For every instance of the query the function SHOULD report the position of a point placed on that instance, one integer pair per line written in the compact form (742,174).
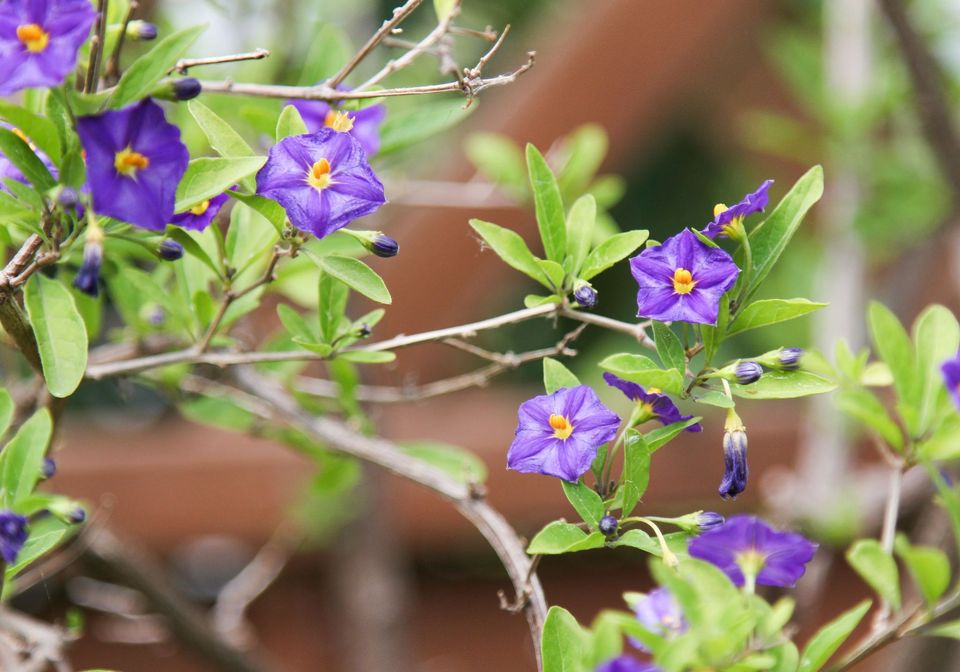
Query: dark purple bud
(77,516)
(68,198)
(608,525)
(187,88)
(170,250)
(748,372)
(364,331)
(141,30)
(708,520)
(735,469)
(13,535)
(49,468)
(88,277)
(585,294)
(384,246)
(790,358)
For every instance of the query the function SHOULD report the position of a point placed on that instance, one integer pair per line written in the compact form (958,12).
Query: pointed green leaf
(21,461)
(585,501)
(209,176)
(895,349)
(509,246)
(290,123)
(563,643)
(636,469)
(458,462)
(556,375)
(771,311)
(41,131)
(60,332)
(865,407)
(20,155)
(669,348)
(356,275)
(830,637)
(936,335)
(784,385)
(548,205)
(580,225)
(143,74)
(562,537)
(610,251)
(877,568)
(928,566)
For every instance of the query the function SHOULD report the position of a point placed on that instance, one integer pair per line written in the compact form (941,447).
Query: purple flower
(951,378)
(727,221)
(134,163)
(735,469)
(13,535)
(200,215)
(363,124)
(39,40)
(659,612)
(682,280)
(750,551)
(559,433)
(627,664)
(322,179)
(655,403)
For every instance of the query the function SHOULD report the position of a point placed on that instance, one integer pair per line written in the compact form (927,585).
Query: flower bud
(185,88)
(49,468)
(364,331)
(377,242)
(170,250)
(585,294)
(748,372)
(68,198)
(735,469)
(67,510)
(141,30)
(789,359)
(608,525)
(87,279)
(709,520)
(77,516)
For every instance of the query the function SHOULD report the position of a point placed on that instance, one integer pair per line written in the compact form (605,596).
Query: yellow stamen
(562,428)
(338,121)
(683,282)
(719,209)
(318,176)
(200,208)
(654,390)
(33,37)
(20,134)
(128,162)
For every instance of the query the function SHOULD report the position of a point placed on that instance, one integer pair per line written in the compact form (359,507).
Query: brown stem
(96,47)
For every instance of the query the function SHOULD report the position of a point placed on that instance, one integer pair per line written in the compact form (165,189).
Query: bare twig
(96,47)
(399,14)
(185,64)
(112,71)
(890,516)
(637,331)
(39,643)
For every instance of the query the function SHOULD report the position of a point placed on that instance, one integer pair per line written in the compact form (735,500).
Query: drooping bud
(709,520)
(697,522)
(585,294)
(735,470)
(87,279)
(185,88)
(377,242)
(608,526)
(77,516)
(141,30)
(170,250)
(49,468)
(790,358)
(748,372)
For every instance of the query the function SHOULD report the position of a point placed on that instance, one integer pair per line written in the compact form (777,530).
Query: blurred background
(660,109)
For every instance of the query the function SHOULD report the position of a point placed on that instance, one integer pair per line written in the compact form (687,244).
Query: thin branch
(185,64)
(637,331)
(112,71)
(399,14)
(97,43)
(890,515)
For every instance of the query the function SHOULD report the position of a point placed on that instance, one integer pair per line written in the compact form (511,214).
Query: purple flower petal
(751,203)
(951,378)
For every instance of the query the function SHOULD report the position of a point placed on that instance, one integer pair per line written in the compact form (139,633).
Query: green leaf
(580,225)
(928,566)
(332,306)
(423,121)
(895,349)
(877,568)
(367,356)
(585,500)
(21,461)
(209,176)
(443,8)
(669,347)
(643,370)
(222,138)
(290,123)
(713,398)
(41,131)
(584,148)
(45,535)
(830,637)
(7,408)
(144,73)
(356,275)
(639,540)
(60,332)
(944,443)
(329,50)
(612,250)
(771,311)
(272,211)
(556,375)
(562,537)
(21,156)
(784,385)
(563,643)
(936,335)
(296,325)
(636,469)
(949,629)
(498,159)
(548,205)
(659,437)
(770,238)
(509,246)
(457,462)
(865,407)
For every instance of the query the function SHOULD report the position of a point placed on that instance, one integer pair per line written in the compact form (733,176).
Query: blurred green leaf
(329,50)
(290,123)
(209,176)
(41,131)
(21,461)
(498,159)
(895,349)
(865,407)
(936,336)
(425,120)
(459,463)
(784,385)
(877,568)
(580,224)
(771,311)
(563,642)
(830,637)
(928,566)
(143,74)
(20,155)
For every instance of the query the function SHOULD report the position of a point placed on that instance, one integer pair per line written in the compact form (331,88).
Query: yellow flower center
(654,390)
(338,121)
(200,208)
(562,428)
(33,37)
(751,561)
(719,209)
(683,282)
(318,176)
(128,162)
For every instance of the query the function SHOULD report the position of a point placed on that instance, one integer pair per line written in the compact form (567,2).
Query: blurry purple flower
(13,535)
(323,181)
(727,221)
(627,664)
(559,433)
(735,469)
(363,124)
(199,216)
(682,280)
(49,468)
(747,549)
(39,40)
(654,402)
(659,612)
(170,250)
(951,378)
(134,163)
(87,279)
(708,520)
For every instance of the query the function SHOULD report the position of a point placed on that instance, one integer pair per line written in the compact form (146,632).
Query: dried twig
(97,43)
(185,64)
